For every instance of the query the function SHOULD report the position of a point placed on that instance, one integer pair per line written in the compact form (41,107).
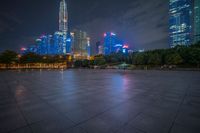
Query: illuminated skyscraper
(112,44)
(196,20)
(80,44)
(63,24)
(63,17)
(181,22)
(99,48)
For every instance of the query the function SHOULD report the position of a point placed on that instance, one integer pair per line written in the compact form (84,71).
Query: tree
(32,58)
(8,57)
(174,59)
(154,59)
(78,63)
(85,63)
(194,56)
(100,61)
(140,59)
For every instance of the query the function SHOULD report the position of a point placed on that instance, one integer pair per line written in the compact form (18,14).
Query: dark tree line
(182,56)
(11,57)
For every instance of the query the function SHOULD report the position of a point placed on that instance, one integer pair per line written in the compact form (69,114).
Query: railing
(34,66)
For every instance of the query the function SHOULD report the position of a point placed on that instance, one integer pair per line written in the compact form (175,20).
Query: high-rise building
(63,17)
(80,44)
(88,47)
(125,49)
(44,45)
(60,43)
(181,22)
(111,43)
(51,44)
(98,44)
(63,25)
(196,21)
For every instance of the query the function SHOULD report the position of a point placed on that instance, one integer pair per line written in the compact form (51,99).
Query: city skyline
(110,23)
(63,41)
(100,66)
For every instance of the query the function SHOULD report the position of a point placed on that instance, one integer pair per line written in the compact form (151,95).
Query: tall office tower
(63,17)
(111,43)
(63,24)
(60,43)
(97,49)
(44,45)
(39,46)
(180,22)
(80,44)
(196,21)
(88,47)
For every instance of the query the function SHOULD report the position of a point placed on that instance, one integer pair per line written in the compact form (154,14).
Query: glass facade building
(63,17)
(99,48)
(80,44)
(181,22)
(112,44)
(50,44)
(196,20)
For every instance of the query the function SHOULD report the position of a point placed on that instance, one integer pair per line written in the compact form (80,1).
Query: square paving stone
(22,130)
(52,125)
(11,119)
(151,124)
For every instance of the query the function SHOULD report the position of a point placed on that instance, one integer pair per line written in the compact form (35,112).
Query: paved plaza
(99,101)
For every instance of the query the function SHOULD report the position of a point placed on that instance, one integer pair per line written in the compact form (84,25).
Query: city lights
(69,40)
(60,43)
(126,46)
(23,49)
(113,34)
(113,44)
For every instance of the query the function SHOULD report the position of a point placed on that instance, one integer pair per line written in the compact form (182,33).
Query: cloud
(16,42)
(142,24)
(8,22)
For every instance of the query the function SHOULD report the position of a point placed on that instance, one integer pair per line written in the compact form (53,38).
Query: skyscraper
(80,44)
(112,44)
(98,48)
(63,17)
(63,24)
(181,22)
(196,20)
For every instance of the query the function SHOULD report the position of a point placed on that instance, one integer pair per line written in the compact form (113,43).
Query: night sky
(143,24)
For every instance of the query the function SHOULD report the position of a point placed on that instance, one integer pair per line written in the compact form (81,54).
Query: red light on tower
(126,46)
(23,49)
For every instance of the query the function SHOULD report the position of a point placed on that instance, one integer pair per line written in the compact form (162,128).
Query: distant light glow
(141,50)
(23,49)
(88,41)
(69,40)
(104,34)
(113,34)
(126,46)
(38,40)
(124,50)
(118,45)
(43,35)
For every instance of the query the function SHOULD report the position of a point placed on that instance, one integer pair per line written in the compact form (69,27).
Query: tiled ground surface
(103,101)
